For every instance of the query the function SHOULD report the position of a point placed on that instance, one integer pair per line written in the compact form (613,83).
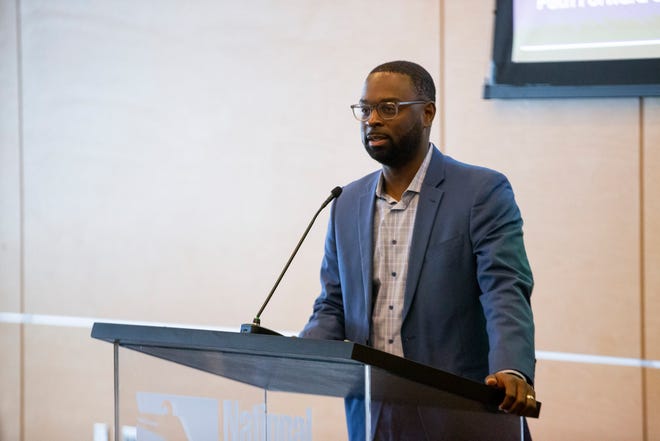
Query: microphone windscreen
(336,191)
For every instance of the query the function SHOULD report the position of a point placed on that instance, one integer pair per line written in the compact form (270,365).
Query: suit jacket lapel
(427,208)
(365,219)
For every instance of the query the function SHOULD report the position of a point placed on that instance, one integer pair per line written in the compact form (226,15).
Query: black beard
(398,154)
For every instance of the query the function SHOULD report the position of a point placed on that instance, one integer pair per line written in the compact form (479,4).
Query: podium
(198,385)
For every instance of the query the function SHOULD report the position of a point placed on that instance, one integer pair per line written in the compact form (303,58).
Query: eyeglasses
(386,109)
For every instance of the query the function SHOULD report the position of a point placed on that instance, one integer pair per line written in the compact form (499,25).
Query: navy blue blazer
(467,299)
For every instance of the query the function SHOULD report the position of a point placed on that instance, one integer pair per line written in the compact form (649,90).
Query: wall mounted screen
(569,48)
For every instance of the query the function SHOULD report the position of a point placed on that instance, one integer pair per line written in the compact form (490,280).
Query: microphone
(255,327)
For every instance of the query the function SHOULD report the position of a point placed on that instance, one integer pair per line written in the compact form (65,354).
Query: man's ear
(429,114)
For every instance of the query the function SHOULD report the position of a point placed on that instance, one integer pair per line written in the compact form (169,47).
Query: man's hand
(519,397)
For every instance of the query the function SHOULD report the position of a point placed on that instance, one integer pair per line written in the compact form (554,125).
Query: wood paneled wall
(159,160)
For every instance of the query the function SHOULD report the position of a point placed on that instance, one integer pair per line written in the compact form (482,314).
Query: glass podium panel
(158,400)
(402,408)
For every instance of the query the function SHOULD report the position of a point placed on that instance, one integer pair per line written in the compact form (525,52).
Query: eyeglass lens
(386,110)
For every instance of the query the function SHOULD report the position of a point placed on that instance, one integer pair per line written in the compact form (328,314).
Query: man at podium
(425,259)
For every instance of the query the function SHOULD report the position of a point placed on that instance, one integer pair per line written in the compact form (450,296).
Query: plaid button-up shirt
(393,230)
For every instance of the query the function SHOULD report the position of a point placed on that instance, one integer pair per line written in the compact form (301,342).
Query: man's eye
(387,109)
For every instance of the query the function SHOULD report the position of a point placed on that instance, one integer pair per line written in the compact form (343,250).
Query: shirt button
(391,307)
(393,274)
(393,241)
(391,341)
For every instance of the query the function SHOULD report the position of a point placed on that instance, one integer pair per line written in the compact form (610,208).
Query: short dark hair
(421,79)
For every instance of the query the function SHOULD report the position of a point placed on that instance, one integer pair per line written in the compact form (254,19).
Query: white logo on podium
(177,418)
(165,417)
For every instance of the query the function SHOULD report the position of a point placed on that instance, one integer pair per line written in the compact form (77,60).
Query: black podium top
(319,367)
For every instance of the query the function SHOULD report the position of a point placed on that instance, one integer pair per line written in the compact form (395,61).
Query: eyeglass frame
(375,106)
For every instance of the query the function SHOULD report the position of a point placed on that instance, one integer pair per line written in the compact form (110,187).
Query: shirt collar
(415,185)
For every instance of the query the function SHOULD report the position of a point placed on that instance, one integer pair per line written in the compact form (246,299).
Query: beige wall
(159,160)
(651,251)
(10,227)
